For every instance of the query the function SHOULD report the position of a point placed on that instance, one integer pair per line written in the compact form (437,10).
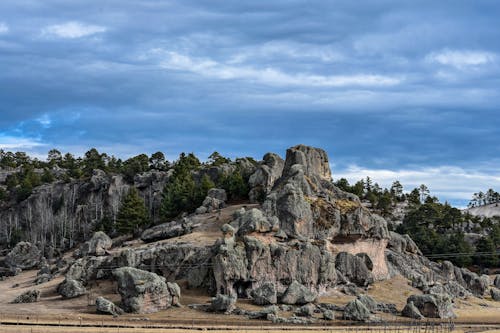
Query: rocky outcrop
(354,269)
(305,221)
(216,199)
(23,256)
(357,311)
(298,294)
(223,303)
(58,216)
(105,306)
(433,306)
(144,292)
(70,288)
(30,296)
(167,230)
(265,294)
(262,180)
(98,245)
(495,294)
(496,282)
(411,311)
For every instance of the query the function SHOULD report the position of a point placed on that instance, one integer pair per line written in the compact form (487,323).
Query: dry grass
(346,206)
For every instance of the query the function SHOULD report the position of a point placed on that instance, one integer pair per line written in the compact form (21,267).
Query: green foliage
(135,165)
(435,228)
(47,176)
(157,161)
(235,185)
(216,159)
(487,254)
(205,184)
(132,214)
(181,193)
(93,160)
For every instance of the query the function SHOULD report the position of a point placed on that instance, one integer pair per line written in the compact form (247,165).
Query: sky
(404,90)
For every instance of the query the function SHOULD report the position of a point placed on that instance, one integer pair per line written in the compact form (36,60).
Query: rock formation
(23,256)
(29,296)
(145,292)
(305,221)
(105,306)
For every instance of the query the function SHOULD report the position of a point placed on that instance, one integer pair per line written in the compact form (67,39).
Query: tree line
(484,198)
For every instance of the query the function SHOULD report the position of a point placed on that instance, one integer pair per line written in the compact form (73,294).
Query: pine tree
(132,214)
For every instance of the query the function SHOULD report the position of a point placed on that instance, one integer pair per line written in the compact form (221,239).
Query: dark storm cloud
(393,85)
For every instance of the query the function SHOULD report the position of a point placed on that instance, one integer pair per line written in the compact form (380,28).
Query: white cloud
(213,69)
(461,58)
(445,182)
(4,28)
(72,30)
(18,143)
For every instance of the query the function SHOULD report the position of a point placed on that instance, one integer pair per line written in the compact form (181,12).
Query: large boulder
(298,294)
(98,245)
(223,303)
(254,220)
(23,256)
(496,282)
(433,306)
(475,283)
(142,291)
(354,269)
(411,311)
(495,294)
(356,310)
(70,288)
(369,302)
(216,199)
(167,230)
(30,296)
(265,294)
(105,306)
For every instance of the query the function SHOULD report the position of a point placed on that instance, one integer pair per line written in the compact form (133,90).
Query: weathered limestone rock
(216,199)
(451,288)
(354,269)
(298,294)
(368,302)
(402,243)
(105,306)
(265,294)
(223,303)
(411,311)
(433,306)
(142,291)
(496,282)
(254,220)
(30,296)
(23,256)
(262,180)
(355,310)
(74,207)
(475,283)
(328,315)
(70,288)
(495,294)
(264,313)
(43,278)
(98,245)
(305,310)
(167,230)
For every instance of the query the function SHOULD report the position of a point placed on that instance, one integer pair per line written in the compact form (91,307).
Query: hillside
(278,241)
(491,210)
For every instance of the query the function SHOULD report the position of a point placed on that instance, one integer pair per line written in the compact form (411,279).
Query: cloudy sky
(403,90)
